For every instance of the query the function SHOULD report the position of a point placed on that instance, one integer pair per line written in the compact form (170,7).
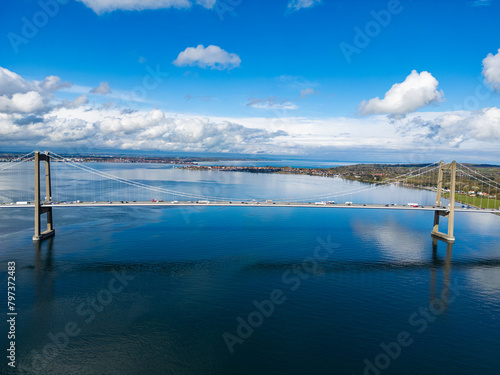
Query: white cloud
(271,103)
(456,129)
(306,92)
(102,89)
(20,95)
(104,6)
(12,83)
(491,69)
(483,125)
(78,102)
(435,135)
(31,115)
(415,92)
(212,57)
(28,102)
(295,5)
(145,130)
(51,84)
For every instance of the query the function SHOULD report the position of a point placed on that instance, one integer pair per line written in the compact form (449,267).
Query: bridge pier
(39,210)
(450,213)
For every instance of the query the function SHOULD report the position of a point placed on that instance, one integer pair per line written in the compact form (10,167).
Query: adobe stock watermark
(223,6)
(31,26)
(420,321)
(372,29)
(291,278)
(149,82)
(482,92)
(210,191)
(87,310)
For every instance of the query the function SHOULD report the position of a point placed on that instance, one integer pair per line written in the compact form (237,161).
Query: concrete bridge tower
(39,210)
(450,213)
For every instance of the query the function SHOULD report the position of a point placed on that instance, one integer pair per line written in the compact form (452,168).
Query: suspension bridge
(456,187)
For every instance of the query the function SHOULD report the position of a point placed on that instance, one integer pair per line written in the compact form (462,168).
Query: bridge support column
(450,213)
(39,209)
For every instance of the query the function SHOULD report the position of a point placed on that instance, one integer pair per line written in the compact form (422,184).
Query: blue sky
(277,79)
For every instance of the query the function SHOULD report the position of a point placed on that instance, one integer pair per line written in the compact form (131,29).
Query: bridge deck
(245,204)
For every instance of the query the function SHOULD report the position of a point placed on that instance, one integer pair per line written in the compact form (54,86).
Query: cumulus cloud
(271,103)
(20,95)
(415,92)
(12,83)
(31,115)
(306,92)
(482,125)
(28,102)
(143,130)
(102,89)
(104,6)
(491,69)
(78,102)
(156,130)
(456,128)
(51,84)
(212,57)
(112,127)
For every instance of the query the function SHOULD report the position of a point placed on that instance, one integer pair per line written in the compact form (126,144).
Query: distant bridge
(436,172)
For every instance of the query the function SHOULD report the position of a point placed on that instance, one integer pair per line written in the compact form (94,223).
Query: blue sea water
(319,291)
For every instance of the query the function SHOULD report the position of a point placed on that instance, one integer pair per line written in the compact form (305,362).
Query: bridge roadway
(458,208)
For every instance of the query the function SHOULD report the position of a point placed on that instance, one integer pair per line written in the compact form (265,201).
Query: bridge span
(249,204)
(440,177)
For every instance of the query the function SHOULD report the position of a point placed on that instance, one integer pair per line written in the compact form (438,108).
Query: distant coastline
(370,173)
(378,173)
(7,157)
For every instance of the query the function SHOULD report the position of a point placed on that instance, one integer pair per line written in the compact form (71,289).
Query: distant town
(7,157)
(371,173)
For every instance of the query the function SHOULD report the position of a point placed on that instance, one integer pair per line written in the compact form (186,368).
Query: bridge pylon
(39,209)
(450,213)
